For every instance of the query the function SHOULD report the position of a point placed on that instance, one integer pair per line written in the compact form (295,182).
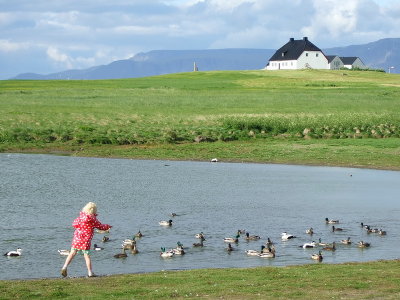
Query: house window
(291,63)
(316,55)
(306,54)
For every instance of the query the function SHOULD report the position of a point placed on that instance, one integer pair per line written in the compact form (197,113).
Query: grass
(304,117)
(371,280)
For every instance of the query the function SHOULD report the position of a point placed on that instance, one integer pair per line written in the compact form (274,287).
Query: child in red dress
(81,242)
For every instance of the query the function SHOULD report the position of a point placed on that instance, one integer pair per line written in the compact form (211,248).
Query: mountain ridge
(380,54)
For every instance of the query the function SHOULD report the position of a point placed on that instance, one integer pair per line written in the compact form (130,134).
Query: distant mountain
(381,54)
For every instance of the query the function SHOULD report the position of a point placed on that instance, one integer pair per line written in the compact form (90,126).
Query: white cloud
(7,46)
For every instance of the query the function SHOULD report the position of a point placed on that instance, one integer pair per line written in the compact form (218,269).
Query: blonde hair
(90,208)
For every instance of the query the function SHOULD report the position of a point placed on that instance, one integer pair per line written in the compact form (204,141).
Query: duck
(97,248)
(310,231)
(179,249)
(363,244)
(251,237)
(166,254)
(214,160)
(252,252)
(320,243)
(102,231)
(364,226)
(138,234)
(381,232)
(286,236)
(230,248)
(199,244)
(105,239)
(232,240)
(346,242)
(64,252)
(129,241)
(241,231)
(330,248)
(121,255)
(336,229)
(327,221)
(165,223)
(309,245)
(199,235)
(18,252)
(173,214)
(317,256)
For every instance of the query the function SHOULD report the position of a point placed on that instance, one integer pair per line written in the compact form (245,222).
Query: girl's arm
(98,225)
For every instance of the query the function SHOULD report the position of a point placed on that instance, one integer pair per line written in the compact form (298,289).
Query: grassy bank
(323,114)
(374,280)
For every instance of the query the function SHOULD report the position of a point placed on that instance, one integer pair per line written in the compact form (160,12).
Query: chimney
(291,39)
(305,39)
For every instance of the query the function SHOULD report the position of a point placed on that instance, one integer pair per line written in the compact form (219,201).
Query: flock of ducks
(267,249)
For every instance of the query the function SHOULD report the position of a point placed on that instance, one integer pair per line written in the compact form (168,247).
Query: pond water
(40,195)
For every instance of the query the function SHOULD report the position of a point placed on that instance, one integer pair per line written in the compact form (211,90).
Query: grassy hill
(308,117)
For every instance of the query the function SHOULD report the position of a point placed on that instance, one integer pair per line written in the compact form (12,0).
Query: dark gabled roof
(293,49)
(348,60)
(330,58)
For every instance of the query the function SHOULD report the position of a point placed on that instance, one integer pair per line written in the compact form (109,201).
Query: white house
(302,54)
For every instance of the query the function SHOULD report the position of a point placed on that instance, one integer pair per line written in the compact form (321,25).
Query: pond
(41,195)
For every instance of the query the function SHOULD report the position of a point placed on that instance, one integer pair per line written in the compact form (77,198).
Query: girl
(84,226)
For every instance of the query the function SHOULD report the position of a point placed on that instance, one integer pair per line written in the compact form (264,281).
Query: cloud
(73,33)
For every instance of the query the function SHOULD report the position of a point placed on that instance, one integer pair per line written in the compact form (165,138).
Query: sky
(47,36)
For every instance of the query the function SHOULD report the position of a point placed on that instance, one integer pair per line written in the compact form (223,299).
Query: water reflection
(42,194)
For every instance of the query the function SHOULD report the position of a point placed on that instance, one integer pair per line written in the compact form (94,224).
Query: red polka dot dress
(84,229)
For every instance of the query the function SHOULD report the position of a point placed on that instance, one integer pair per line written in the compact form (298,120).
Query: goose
(134,250)
(232,240)
(267,252)
(309,245)
(138,234)
(317,256)
(346,242)
(330,248)
(199,244)
(269,243)
(327,221)
(230,248)
(64,252)
(166,254)
(320,243)
(165,223)
(363,244)
(310,231)
(199,235)
(251,237)
(97,248)
(121,255)
(381,232)
(286,236)
(336,229)
(105,239)
(14,253)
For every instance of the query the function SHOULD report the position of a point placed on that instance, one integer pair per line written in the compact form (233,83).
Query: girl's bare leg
(88,264)
(70,256)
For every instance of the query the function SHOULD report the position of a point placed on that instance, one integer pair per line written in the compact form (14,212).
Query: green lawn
(303,117)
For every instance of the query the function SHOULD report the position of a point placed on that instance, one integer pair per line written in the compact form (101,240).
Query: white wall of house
(282,65)
(313,60)
(335,64)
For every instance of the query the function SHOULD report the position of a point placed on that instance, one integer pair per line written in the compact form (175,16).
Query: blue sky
(46,36)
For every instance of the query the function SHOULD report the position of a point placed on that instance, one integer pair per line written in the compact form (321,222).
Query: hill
(381,54)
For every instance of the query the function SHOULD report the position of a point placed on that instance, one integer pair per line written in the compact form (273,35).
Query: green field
(341,118)
(304,117)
